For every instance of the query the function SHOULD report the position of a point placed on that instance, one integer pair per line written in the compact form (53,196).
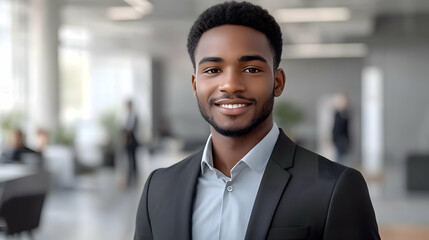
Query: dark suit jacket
(301,196)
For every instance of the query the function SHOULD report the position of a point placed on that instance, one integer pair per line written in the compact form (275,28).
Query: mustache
(231,97)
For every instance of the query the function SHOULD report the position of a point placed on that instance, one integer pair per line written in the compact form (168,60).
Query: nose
(232,82)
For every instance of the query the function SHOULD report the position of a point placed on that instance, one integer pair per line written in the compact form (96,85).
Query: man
(18,152)
(250,181)
(340,130)
(131,143)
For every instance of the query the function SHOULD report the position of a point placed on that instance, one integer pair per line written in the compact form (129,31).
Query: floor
(401,215)
(99,206)
(96,209)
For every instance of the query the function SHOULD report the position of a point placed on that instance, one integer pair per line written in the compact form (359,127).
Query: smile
(232,106)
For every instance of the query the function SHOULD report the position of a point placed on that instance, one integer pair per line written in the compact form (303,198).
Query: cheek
(204,89)
(263,90)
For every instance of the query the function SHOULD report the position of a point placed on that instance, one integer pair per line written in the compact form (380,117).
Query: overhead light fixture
(296,15)
(142,6)
(308,51)
(136,10)
(122,13)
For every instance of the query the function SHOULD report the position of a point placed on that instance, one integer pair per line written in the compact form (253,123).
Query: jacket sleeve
(350,213)
(143,226)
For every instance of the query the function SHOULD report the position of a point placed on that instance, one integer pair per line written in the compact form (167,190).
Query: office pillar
(43,84)
(20,53)
(372,121)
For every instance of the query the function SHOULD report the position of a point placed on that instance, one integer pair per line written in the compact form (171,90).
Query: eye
(212,71)
(252,70)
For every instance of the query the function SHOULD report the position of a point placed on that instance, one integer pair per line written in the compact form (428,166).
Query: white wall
(401,49)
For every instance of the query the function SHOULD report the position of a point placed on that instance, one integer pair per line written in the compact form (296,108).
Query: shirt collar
(207,159)
(256,158)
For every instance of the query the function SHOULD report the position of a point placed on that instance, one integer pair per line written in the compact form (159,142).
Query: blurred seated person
(17,152)
(42,139)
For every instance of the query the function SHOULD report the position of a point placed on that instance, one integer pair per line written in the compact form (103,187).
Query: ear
(194,85)
(279,82)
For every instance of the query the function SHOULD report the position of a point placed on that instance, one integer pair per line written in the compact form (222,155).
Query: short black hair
(237,13)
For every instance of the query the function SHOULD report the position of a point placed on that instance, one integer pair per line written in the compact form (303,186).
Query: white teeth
(232,105)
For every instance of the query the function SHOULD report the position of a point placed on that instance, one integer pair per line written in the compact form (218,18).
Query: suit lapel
(271,188)
(184,203)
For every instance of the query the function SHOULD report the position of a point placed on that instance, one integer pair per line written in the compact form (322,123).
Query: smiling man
(250,181)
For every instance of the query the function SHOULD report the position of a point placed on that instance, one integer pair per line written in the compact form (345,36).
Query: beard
(259,117)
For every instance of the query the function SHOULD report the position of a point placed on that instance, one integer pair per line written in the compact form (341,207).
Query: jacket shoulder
(344,208)
(309,162)
(177,176)
(180,168)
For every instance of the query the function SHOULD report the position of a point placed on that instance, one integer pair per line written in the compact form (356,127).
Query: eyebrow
(252,58)
(241,59)
(210,59)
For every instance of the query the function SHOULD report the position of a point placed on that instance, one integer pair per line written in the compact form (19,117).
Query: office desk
(13,171)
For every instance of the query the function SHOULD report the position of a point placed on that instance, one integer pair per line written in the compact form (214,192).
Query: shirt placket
(225,221)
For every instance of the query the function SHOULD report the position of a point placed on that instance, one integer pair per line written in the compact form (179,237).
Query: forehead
(227,40)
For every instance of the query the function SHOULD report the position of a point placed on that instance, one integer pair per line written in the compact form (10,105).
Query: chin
(233,131)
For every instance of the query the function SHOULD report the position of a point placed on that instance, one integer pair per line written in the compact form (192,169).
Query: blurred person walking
(131,143)
(340,130)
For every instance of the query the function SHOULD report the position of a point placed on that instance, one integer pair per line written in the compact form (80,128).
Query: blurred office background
(67,67)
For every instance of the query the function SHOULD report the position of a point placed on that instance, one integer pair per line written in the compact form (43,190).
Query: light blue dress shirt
(223,205)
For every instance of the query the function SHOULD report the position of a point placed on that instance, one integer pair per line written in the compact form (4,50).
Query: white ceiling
(165,29)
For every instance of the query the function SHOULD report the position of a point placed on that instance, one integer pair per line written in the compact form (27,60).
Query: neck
(227,151)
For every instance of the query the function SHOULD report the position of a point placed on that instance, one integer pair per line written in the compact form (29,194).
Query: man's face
(234,81)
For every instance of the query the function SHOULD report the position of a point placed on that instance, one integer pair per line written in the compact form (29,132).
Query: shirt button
(229,188)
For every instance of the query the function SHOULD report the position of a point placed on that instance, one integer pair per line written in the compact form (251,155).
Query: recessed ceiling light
(142,6)
(340,50)
(295,15)
(136,10)
(123,13)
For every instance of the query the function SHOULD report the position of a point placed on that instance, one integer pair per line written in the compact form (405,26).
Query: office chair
(22,203)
